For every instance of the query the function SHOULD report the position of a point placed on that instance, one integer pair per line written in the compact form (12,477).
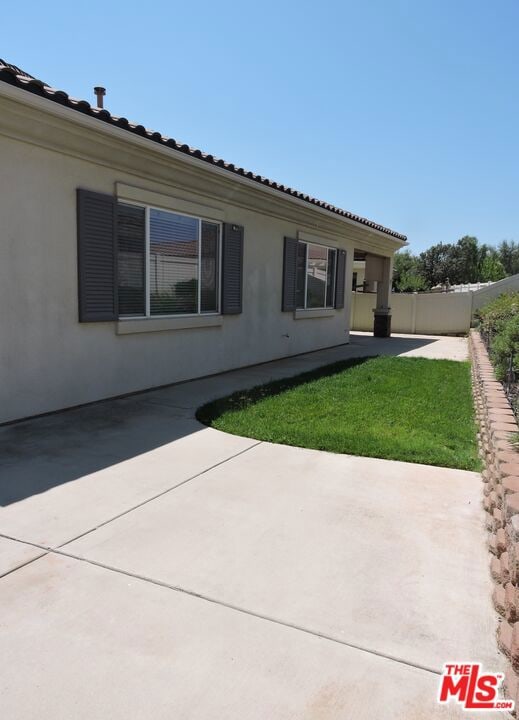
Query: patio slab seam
(24,563)
(161,494)
(134,507)
(229,606)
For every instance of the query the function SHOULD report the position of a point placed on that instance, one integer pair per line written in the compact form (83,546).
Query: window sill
(140,325)
(314,313)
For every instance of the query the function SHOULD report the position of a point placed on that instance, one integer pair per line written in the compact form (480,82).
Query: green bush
(499,323)
(504,350)
(494,316)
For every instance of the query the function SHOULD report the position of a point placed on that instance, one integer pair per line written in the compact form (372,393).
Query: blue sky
(406,112)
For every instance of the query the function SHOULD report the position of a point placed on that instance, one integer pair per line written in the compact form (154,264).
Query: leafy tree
(403,262)
(508,252)
(411,282)
(436,265)
(406,275)
(468,257)
(465,261)
(492,268)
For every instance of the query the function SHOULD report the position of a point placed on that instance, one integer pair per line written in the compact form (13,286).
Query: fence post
(413,314)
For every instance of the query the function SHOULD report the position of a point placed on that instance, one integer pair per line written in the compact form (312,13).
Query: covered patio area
(374,275)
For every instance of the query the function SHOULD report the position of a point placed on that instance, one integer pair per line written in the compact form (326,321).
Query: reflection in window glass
(330,278)
(316,276)
(131,250)
(209,257)
(300,274)
(316,270)
(173,263)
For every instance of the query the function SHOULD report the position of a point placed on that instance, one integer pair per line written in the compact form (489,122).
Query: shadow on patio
(39,454)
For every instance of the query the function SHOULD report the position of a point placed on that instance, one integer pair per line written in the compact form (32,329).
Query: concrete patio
(155,568)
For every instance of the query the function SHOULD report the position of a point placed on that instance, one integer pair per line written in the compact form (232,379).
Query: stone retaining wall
(501,502)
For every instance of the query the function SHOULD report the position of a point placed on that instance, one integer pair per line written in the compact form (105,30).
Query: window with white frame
(315,276)
(168,263)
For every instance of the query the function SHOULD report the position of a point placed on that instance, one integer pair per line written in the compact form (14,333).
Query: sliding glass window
(178,255)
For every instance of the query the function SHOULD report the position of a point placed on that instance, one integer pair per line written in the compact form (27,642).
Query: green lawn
(410,409)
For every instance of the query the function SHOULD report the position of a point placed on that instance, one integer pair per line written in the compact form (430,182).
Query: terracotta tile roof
(16,70)
(15,76)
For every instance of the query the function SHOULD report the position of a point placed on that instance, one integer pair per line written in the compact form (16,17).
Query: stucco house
(131,261)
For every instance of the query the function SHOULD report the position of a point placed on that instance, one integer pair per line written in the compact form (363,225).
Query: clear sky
(404,111)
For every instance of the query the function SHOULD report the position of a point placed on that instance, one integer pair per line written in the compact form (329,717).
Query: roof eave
(58,109)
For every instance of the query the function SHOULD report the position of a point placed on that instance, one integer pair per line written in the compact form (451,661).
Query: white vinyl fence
(429,313)
(485,295)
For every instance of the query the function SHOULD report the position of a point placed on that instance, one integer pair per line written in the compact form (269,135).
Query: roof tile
(15,76)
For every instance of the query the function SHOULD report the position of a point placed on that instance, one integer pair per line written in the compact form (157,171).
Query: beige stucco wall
(48,360)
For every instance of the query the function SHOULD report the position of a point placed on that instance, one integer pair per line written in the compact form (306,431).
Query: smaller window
(315,276)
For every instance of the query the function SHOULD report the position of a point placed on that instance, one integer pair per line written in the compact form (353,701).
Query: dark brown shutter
(232,269)
(340,279)
(97,261)
(131,262)
(288,302)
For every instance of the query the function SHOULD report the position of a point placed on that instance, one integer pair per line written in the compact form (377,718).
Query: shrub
(494,316)
(504,349)
(499,325)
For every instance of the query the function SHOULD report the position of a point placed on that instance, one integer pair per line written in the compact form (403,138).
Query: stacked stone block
(497,424)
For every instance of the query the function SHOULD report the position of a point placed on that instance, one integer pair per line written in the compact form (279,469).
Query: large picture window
(172,267)
(315,276)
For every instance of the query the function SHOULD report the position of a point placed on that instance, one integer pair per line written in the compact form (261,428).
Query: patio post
(382,311)
(379,276)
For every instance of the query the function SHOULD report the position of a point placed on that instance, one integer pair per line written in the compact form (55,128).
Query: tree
(492,268)
(411,282)
(463,262)
(406,276)
(508,252)
(468,257)
(436,265)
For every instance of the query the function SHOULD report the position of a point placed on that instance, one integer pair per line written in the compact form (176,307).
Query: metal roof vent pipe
(100,92)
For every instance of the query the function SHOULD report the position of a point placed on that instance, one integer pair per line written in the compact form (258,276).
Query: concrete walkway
(155,568)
